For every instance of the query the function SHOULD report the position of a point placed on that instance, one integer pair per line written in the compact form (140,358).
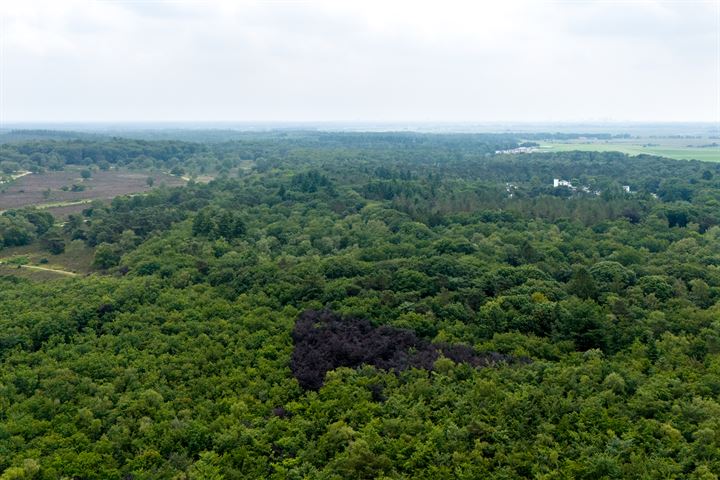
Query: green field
(677,152)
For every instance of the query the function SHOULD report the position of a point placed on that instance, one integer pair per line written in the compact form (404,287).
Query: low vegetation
(678,149)
(55,191)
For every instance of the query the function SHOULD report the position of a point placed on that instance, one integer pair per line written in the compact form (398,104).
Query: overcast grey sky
(74,60)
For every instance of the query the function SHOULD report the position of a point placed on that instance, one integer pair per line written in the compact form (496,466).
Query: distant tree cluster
(216,223)
(21,227)
(310,182)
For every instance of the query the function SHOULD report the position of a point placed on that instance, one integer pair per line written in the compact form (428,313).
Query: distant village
(517,150)
(565,183)
(557,182)
(510,188)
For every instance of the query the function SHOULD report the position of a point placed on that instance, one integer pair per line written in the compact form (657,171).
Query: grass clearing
(75,260)
(670,150)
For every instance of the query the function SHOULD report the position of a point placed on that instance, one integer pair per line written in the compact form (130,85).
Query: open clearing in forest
(33,272)
(53,190)
(31,261)
(677,149)
(29,274)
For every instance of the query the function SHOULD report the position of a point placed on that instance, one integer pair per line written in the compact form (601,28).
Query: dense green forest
(357,306)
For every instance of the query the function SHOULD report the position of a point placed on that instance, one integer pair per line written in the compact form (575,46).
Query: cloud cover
(78,60)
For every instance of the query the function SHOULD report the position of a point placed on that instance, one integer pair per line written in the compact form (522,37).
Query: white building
(517,150)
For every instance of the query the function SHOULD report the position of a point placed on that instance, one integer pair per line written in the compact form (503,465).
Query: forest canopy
(321,307)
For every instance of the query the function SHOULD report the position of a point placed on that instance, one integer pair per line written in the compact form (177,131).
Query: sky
(382,61)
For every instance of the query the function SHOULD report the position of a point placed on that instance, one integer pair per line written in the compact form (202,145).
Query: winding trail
(54,270)
(46,269)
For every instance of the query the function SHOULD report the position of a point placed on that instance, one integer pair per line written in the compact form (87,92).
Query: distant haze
(359,61)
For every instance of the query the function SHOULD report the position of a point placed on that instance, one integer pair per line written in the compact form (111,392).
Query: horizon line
(417,122)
